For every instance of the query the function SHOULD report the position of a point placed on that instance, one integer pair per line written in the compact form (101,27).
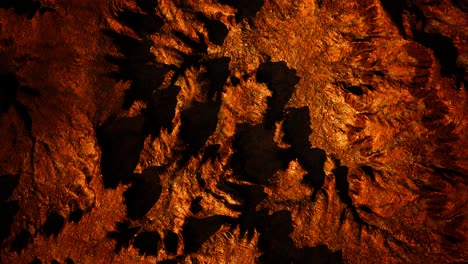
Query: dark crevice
(69,261)
(235,81)
(199,121)
(169,261)
(54,224)
(281,81)
(245,8)
(198,124)
(171,242)
(296,133)
(342,186)
(394,9)
(313,160)
(461,4)
(297,129)
(196,231)
(369,172)
(121,142)
(21,241)
(195,206)
(8,184)
(142,24)
(216,75)
(249,196)
(211,153)
(11,90)
(36,260)
(442,46)
(161,110)
(278,247)
(217,30)
(54,261)
(143,193)
(26,8)
(8,210)
(147,243)
(443,49)
(198,47)
(123,235)
(137,63)
(256,156)
(75,216)
(354,89)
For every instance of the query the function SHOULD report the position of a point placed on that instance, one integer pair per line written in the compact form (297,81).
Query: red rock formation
(224,131)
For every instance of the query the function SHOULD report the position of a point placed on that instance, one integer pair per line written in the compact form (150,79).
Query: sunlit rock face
(222,131)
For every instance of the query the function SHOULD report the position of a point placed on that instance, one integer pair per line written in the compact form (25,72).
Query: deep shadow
(199,121)
(123,235)
(143,193)
(394,9)
(235,81)
(249,196)
(21,241)
(297,129)
(54,261)
(147,243)
(53,224)
(461,4)
(195,206)
(196,231)
(8,210)
(245,8)
(142,24)
(26,8)
(69,261)
(256,156)
(354,89)
(296,133)
(198,46)
(10,90)
(281,80)
(217,30)
(443,49)
(313,160)
(320,254)
(198,124)
(442,46)
(161,110)
(138,63)
(278,247)
(121,142)
(369,172)
(216,75)
(211,153)
(75,216)
(9,87)
(169,261)
(137,66)
(171,242)
(342,186)
(8,184)
(36,260)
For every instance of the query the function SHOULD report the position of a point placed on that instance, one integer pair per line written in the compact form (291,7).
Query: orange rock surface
(233,131)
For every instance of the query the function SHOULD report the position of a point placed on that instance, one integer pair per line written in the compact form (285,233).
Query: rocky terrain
(233,131)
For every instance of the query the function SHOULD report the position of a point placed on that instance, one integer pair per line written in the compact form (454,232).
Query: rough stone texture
(225,131)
